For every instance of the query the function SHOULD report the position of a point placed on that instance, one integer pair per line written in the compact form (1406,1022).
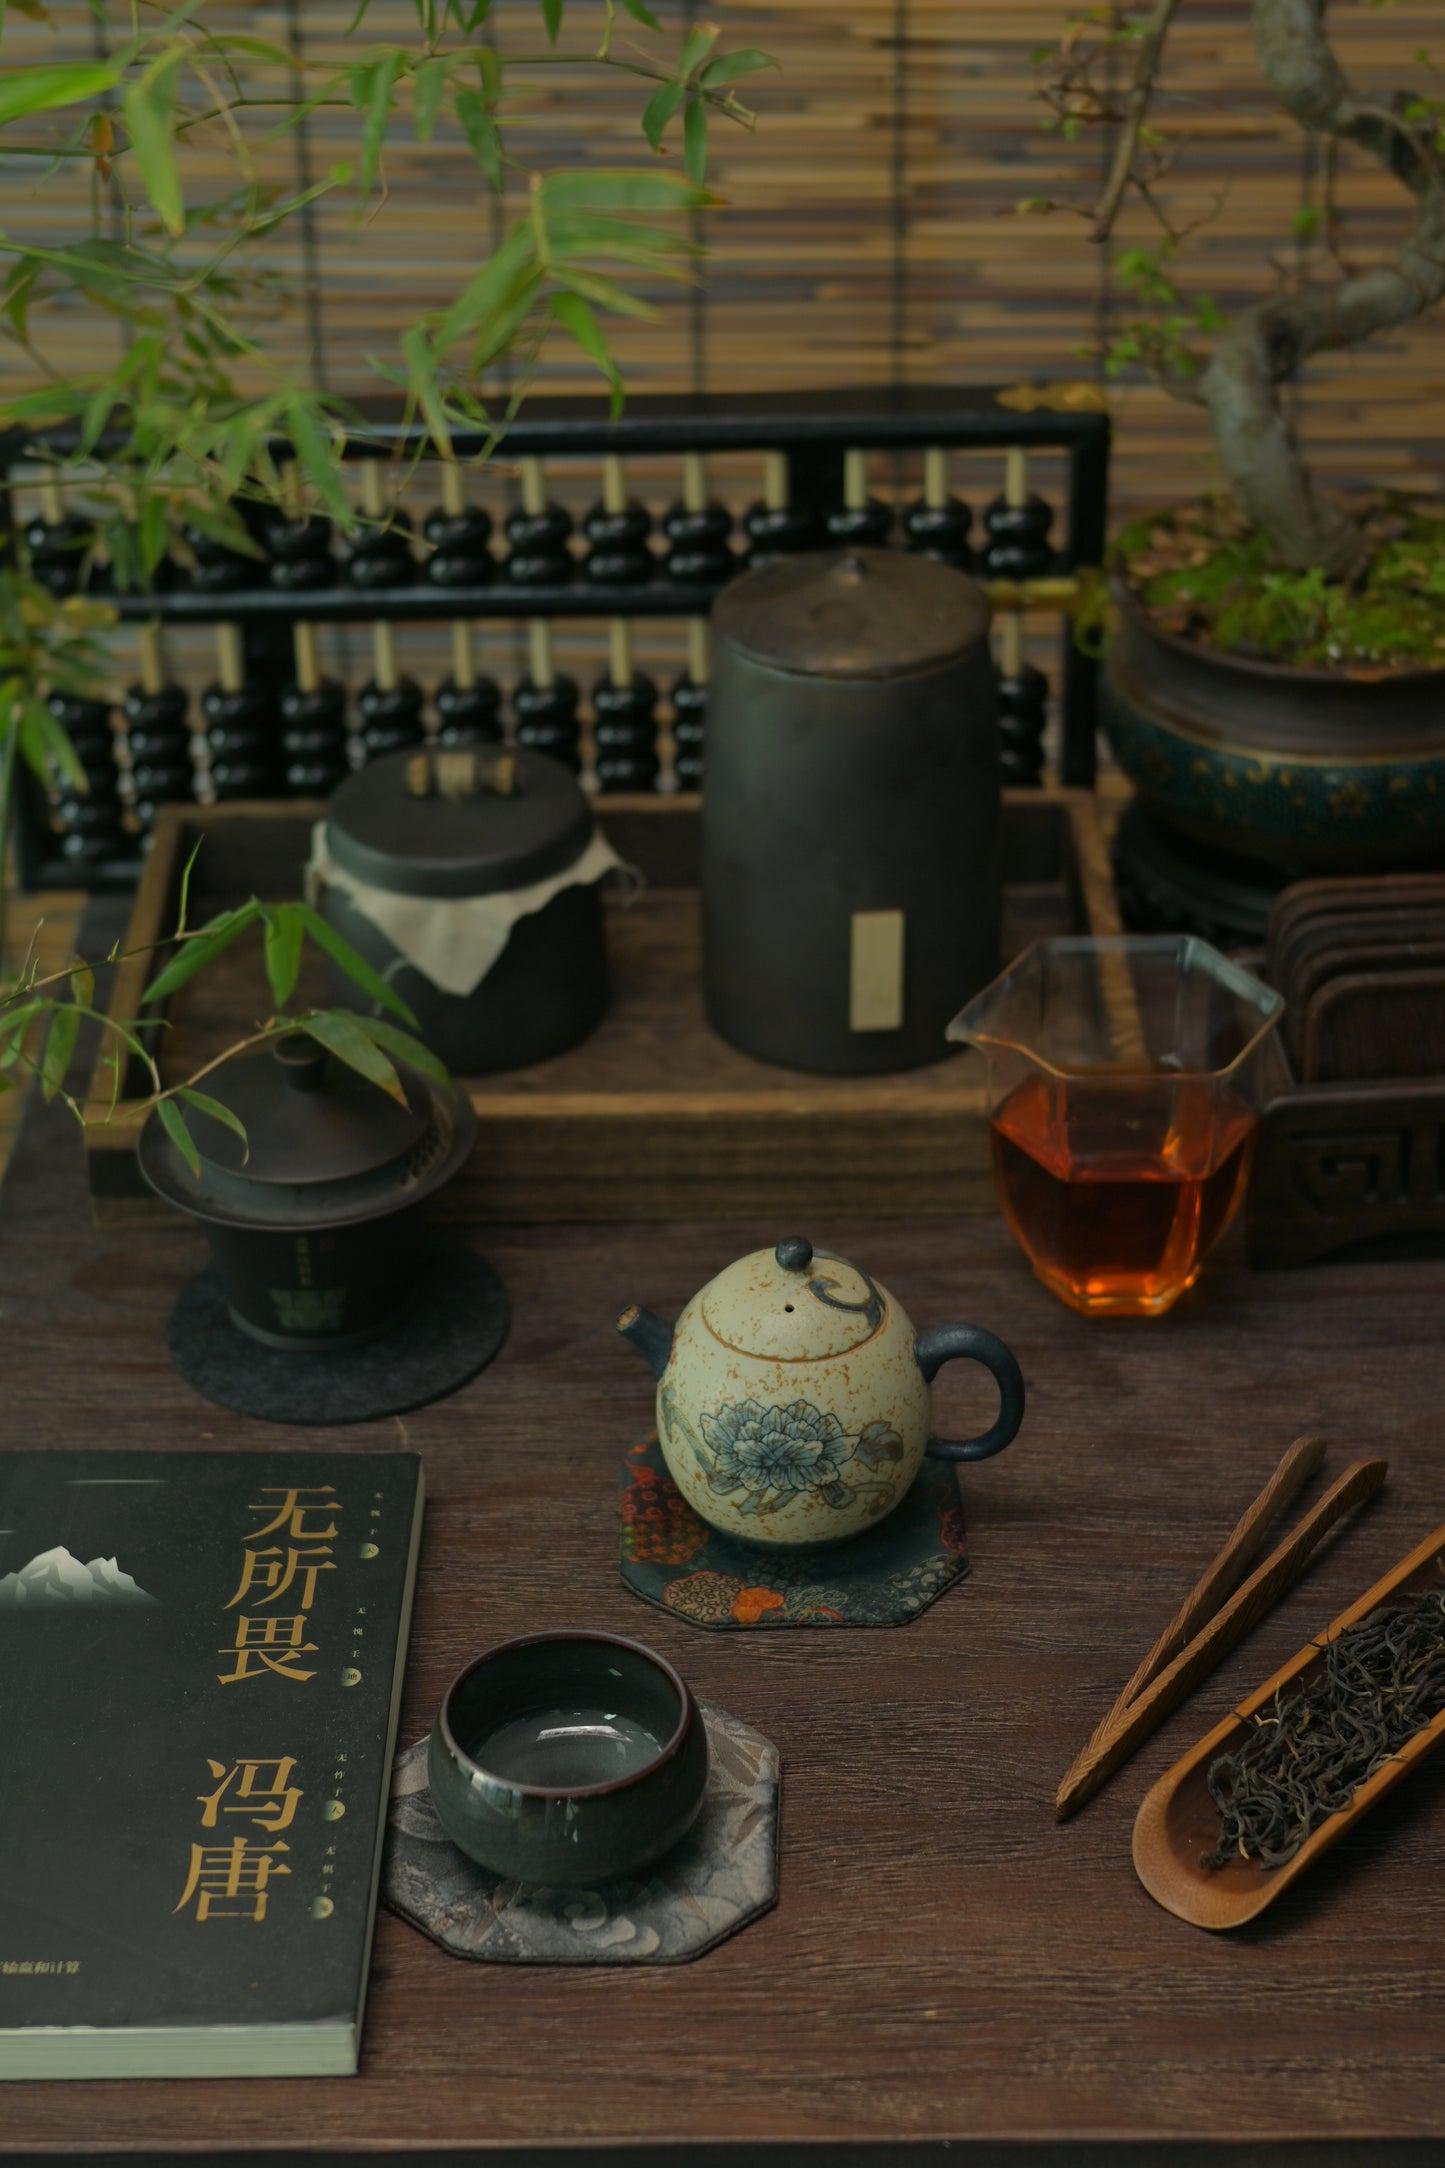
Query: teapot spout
(649,1334)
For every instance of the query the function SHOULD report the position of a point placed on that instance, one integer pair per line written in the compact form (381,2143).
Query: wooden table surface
(944,1962)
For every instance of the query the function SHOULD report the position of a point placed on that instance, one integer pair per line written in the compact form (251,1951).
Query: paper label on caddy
(875,989)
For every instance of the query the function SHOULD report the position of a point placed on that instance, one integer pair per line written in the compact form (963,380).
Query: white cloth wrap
(452,940)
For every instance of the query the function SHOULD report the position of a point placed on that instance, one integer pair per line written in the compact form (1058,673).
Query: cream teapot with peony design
(794,1400)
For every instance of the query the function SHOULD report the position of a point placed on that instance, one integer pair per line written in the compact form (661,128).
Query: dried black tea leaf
(1308,1753)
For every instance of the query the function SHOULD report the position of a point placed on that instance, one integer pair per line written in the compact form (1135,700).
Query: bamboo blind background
(869,231)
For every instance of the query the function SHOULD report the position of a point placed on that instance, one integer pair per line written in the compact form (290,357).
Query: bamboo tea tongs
(1218,1612)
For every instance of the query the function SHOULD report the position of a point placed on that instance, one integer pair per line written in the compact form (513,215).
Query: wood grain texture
(1220,1578)
(944,1962)
(1140,1718)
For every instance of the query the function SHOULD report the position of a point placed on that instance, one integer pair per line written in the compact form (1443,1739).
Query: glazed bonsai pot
(1305,770)
(567,1758)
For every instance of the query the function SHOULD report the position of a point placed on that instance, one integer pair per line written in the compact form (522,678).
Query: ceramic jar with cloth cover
(482,906)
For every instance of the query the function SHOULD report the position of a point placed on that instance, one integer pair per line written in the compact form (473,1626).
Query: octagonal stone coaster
(723,1874)
(886,1576)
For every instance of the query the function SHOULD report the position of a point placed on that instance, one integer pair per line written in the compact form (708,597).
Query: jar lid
(324,1146)
(382,835)
(852,613)
(793,1304)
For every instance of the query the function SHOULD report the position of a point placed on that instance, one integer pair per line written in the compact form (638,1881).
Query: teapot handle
(931,1350)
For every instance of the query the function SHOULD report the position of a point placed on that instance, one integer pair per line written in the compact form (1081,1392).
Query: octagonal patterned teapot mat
(884,1577)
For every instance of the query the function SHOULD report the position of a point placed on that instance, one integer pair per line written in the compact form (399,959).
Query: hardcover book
(200,1676)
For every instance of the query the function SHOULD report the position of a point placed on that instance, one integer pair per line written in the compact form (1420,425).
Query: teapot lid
(793,1304)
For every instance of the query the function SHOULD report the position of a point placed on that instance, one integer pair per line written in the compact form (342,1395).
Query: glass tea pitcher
(1123,1093)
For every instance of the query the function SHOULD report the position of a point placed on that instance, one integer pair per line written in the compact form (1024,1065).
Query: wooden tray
(654,1117)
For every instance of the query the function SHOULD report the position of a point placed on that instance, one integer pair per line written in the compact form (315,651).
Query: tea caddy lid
(852,613)
(324,1146)
(386,837)
(793,1304)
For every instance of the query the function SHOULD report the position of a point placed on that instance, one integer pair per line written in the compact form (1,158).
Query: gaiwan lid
(793,1304)
(852,613)
(385,836)
(324,1147)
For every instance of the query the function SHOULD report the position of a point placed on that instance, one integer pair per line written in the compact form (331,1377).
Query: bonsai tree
(1238,365)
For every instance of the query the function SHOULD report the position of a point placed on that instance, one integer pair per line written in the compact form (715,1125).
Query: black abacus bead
(689,730)
(300,549)
(1018,539)
(626,733)
(783,531)
(547,719)
(57,550)
(390,716)
(219,570)
(868,524)
(241,734)
(940,531)
(1022,714)
(160,749)
(698,554)
(618,553)
(313,738)
(468,714)
(87,725)
(381,556)
(540,556)
(460,556)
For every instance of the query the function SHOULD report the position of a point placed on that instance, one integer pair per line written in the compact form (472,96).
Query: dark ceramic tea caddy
(316,1223)
(568,1758)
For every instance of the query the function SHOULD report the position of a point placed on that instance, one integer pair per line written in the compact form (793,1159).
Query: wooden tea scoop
(1179,1821)
(1127,1730)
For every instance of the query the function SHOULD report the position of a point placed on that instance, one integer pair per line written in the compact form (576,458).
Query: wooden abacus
(275,723)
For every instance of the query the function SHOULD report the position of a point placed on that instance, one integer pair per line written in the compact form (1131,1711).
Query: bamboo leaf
(404,1047)
(552,17)
(421,376)
(342,1036)
(659,110)
(696,47)
(732,66)
(378,109)
(641,14)
(484,295)
(13,1028)
(149,109)
(204,1104)
(173,1123)
(356,967)
(42,90)
(82,986)
(284,936)
(607,294)
(431,81)
(576,318)
(314,450)
(694,139)
(185,895)
(59,1048)
(200,949)
(481,132)
(59,748)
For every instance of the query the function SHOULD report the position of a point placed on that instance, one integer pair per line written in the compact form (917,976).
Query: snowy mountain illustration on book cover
(54,1577)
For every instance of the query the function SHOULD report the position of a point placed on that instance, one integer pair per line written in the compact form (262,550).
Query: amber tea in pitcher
(1122,1106)
(1115,1219)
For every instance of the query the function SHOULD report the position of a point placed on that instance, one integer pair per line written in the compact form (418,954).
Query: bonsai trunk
(1267,347)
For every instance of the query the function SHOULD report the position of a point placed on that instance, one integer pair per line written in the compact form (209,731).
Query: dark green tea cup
(567,1758)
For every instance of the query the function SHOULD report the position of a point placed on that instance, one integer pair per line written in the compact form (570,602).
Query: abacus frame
(814,430)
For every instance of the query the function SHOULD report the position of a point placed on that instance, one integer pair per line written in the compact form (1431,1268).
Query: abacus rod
(539,640)
(935,477)
(619,648)
(464,669)
(1016,475)
(230,662)
(855,478)
(698,650)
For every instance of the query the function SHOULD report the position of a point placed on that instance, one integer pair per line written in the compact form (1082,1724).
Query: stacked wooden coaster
(1361,964)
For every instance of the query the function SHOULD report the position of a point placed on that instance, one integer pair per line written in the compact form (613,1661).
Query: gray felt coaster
(456,1323)
(723,1874)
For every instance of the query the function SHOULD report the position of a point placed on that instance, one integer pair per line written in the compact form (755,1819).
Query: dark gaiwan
(316,1223)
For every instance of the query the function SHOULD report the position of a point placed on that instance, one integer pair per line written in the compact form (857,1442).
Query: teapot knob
(794,1254)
